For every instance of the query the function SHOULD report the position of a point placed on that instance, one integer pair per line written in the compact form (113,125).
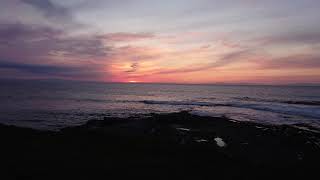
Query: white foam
(184,103)
(299,110)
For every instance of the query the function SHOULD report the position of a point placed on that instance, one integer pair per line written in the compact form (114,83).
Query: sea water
(54,104)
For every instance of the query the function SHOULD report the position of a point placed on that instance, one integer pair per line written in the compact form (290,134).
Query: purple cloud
(39,51)
(21,41)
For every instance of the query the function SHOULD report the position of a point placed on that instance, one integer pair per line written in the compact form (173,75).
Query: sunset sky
(169,41)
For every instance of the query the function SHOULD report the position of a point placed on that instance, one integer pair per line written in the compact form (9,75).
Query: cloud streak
(37,68)
(310,38)
(126,37)
(88,72)
(299,61)
(225,60)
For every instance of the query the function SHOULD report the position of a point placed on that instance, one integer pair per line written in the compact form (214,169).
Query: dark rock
(167,146)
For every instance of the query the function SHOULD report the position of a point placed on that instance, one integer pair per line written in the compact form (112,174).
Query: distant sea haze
(49,104)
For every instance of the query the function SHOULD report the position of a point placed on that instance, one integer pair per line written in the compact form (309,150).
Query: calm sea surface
(57,104)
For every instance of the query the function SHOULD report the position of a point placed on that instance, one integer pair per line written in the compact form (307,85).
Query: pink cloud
(298,61)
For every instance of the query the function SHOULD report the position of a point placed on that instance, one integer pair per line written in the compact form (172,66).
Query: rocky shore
(168,146)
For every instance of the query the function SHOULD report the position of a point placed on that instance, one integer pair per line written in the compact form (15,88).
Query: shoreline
(175,145)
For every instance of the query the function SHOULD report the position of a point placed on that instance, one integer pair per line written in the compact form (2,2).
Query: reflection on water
(220,142)
(183,129)
(201,140)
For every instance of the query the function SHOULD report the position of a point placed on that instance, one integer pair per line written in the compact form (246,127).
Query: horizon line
(164,83)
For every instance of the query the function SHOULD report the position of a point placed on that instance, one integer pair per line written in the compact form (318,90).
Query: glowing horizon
(203,41)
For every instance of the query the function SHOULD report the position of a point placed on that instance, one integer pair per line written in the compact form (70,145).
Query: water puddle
(183,129)
(220,142)
(201,140)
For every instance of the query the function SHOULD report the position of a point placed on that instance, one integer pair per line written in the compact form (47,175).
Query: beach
(161,146)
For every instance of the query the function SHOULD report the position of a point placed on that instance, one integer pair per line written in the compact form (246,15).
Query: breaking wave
(296,109)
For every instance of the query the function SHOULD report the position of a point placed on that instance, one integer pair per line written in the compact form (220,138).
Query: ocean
(54,104)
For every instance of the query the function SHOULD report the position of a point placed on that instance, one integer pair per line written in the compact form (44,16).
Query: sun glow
(132,81)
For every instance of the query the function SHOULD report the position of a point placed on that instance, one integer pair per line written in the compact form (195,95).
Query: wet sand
(168,146)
